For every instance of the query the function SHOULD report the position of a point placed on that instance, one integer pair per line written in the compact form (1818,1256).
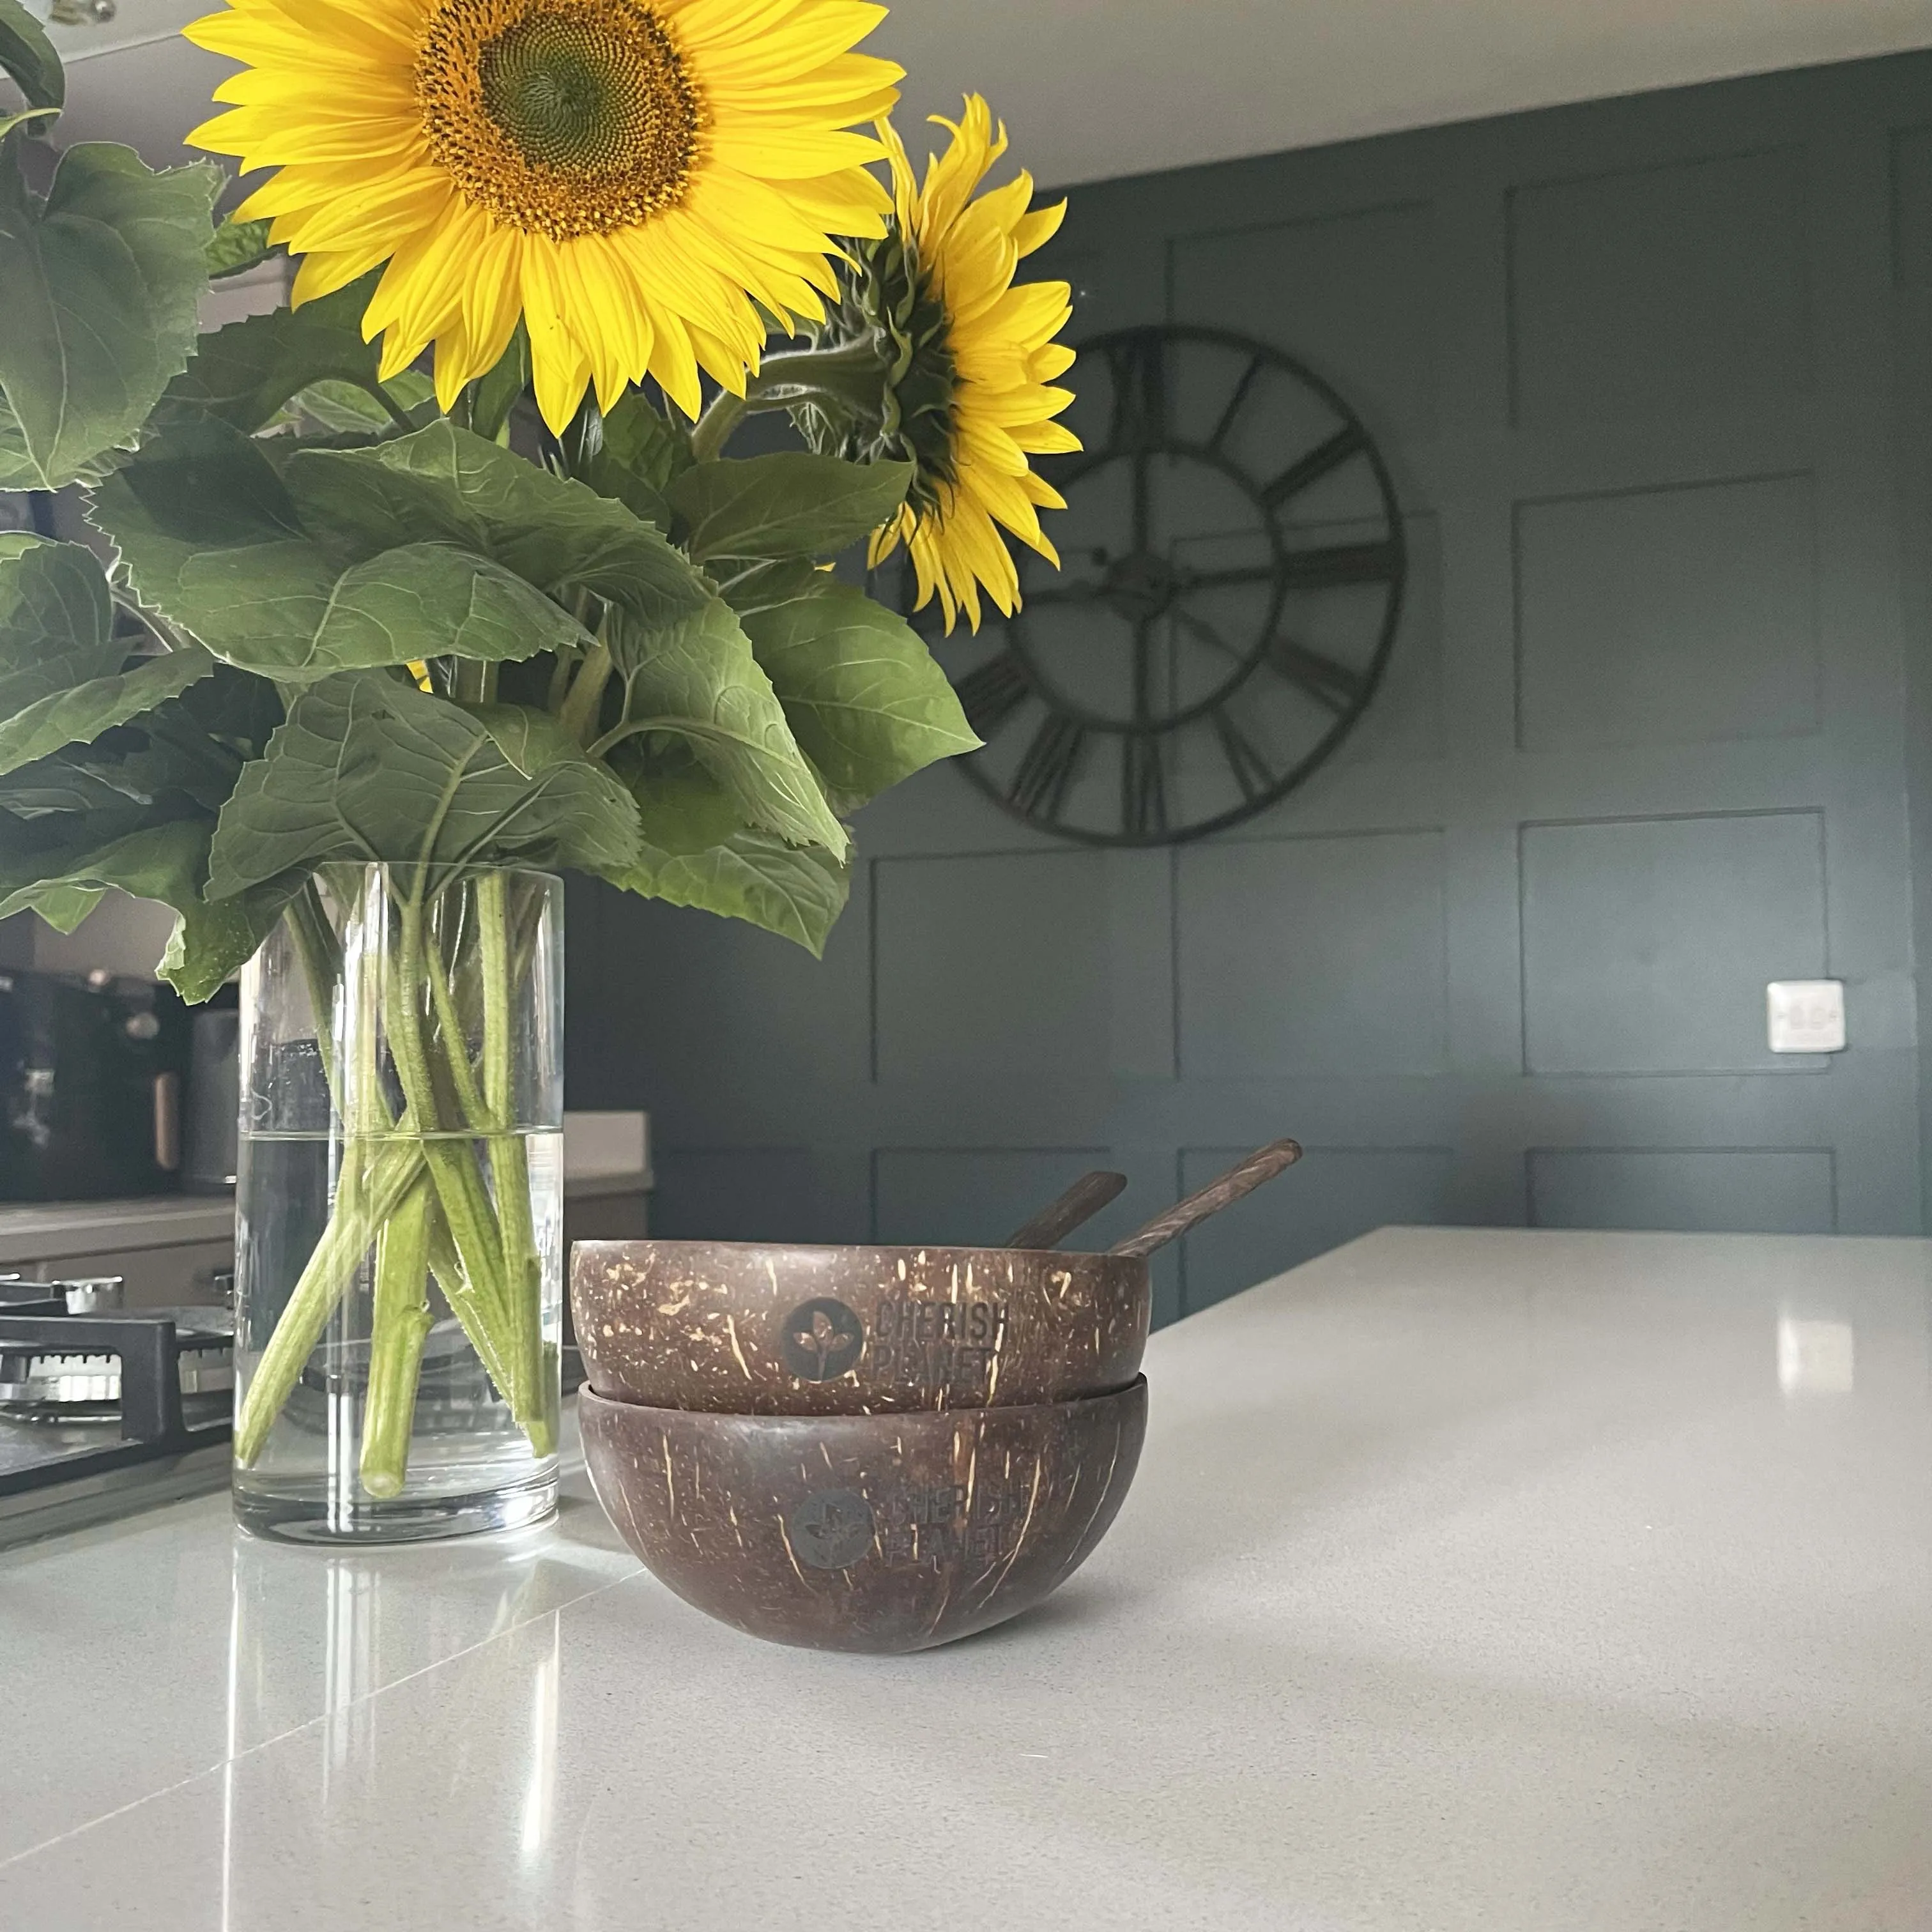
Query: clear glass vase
(399,1257)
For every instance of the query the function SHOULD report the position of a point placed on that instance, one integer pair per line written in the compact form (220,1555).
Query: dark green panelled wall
(1652,376)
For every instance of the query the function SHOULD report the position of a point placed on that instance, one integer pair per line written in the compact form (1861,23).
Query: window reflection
(1815,1357)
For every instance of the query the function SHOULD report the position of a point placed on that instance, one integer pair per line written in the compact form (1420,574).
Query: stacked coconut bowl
(871,1448)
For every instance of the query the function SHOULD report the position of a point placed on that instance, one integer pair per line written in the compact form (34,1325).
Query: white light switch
(1806,1015)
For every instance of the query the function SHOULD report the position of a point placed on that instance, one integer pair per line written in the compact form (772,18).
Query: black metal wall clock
(1233,575)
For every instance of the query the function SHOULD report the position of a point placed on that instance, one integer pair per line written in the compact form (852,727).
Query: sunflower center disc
(560,117)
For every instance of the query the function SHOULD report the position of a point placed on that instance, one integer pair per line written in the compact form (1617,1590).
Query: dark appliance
(92,1071)
(214,1095)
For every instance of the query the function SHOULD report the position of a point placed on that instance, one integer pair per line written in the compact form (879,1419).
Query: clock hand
(1206,632)
(1078,591)
(1186,580)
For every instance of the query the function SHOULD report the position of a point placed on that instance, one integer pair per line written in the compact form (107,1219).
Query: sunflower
(974,357)
(637,179)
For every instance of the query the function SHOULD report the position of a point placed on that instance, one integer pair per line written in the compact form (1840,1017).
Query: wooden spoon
(1058,1218)
(1264,1164)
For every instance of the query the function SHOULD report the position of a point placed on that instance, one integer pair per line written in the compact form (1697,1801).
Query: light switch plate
(1806,1016)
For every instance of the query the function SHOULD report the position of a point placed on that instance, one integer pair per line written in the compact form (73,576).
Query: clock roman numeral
(991,692)
(1039,785)
(1234,402)
(1342,564)
(1332,684)
(1307,471)
(1143,787)
(1252,772)
(1137,364)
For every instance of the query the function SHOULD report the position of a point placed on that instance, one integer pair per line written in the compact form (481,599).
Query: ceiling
(1092,88)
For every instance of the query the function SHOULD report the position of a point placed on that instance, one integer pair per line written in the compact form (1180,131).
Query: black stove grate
(149,1349)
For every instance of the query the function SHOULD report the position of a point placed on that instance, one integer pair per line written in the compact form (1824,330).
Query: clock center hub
(1139,587)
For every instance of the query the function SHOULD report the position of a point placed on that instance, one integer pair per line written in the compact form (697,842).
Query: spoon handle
(1058,1218)
(1264,1164)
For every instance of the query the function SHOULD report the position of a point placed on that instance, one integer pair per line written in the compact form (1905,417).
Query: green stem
(451,1164)
(631,728)
(399,1325)
(320,955)
(509,1162)
(579,713)
(713,430)
(518,1370)
(398,415)
(455,1047)
(448,1268)
(375,1177)
(847,379)
(493,939)
(471,682)
(420,1199)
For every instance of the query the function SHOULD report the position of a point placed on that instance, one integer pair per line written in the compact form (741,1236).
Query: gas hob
(101,1407)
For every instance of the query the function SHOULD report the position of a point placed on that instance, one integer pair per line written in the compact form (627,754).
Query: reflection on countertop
(1533,1582)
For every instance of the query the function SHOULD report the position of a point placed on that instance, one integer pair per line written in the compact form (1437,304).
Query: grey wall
(1640,368)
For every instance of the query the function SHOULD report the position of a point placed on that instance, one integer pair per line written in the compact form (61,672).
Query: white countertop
(1532,1583)
(53,1230)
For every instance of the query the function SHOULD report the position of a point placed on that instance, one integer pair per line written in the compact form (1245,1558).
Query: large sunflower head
(637,179)
(971,357)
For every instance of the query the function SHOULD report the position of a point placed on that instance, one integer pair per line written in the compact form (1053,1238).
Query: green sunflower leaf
(697,853)
(64,907)
(643,454)
(532,740)
(186,749)
(447,485)
(94,851)
(245,372)
(345,408)
(57,784)
(8,122)
(759,586)
(752,876)
(79,716)
(787,504)
(61,867)
(214,939)
(210,537)
(27,56)
(17,467)
(699,684)
(368,768)
(867,703)
(104,281)
(192,747)
(236,247)
(56,620)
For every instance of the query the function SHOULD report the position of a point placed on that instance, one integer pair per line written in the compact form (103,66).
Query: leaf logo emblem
(821,1339)
(831,1529)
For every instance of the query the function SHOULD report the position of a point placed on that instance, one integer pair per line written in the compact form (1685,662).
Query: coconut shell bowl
(872,1448)
(879,1533)
(748,1329)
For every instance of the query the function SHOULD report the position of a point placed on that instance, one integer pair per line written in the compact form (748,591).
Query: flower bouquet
(439,580)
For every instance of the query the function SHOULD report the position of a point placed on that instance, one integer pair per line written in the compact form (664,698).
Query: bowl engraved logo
(821,1339)
(831,1529)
